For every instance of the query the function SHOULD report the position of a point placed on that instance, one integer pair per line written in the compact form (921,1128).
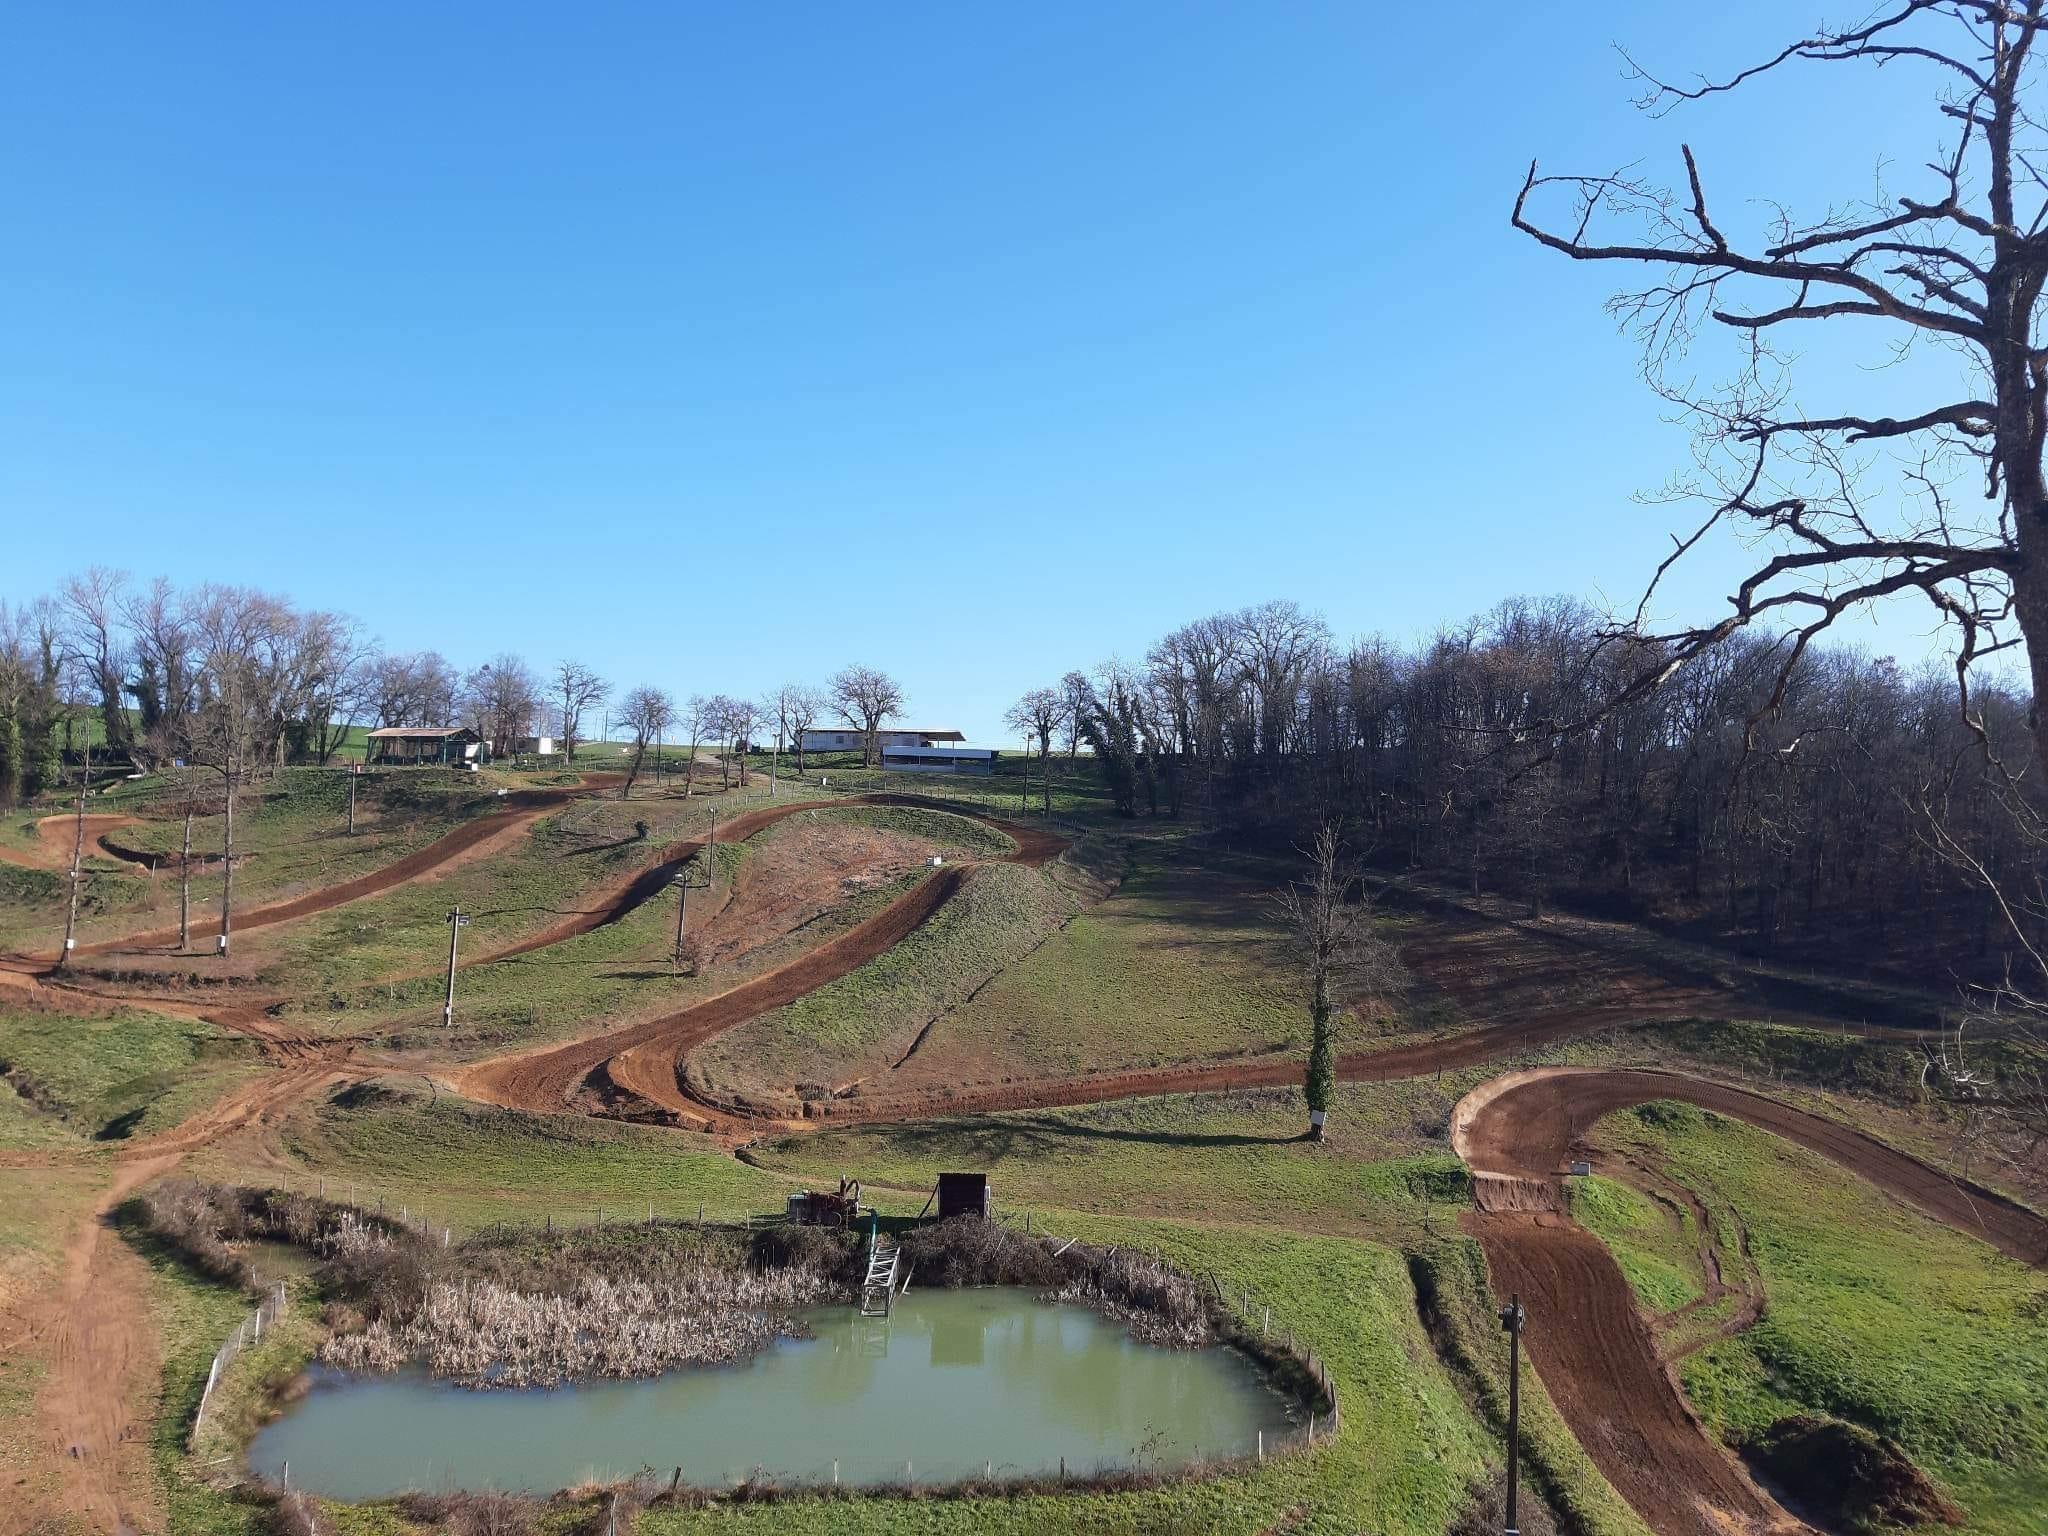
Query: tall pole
(351,770)
(227,852)
(1512,1317)
(774,762)
(455,922)
(77,857)
(185,880)
(682,911)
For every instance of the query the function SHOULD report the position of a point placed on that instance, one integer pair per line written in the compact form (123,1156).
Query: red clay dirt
(99,1348)
(55,836)
(473,839)
(1598,1358)
(643,1060)
(1035,846)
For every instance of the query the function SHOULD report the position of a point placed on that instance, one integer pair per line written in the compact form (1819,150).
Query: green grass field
(125,1073)
(1875,1314)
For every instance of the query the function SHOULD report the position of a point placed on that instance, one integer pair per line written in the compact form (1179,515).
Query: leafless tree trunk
(227,858)
(77,859)
(185,883)
(1956,510)
(865,697)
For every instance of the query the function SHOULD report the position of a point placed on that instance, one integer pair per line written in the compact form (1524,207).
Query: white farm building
(848,739)
(939,759)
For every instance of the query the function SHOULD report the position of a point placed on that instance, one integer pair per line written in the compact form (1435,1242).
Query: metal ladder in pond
(878,1291)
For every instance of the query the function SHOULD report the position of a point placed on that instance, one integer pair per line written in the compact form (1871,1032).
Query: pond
(955,1382)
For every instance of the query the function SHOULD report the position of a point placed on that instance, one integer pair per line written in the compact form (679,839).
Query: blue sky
(720,345)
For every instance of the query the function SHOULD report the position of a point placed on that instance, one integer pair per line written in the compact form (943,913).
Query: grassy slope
(1182,962)
(867,1019)
(470,1165)
(612,974)
(1876,1314)
(293,833)
(1657,1249)
(123,1074)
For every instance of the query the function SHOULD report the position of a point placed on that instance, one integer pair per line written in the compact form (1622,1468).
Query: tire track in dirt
(644,1060)
(623,897)
(56,834)
(1597,1356)
(476,838)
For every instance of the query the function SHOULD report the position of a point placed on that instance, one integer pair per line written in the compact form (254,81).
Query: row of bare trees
(1496,754)
(152,666)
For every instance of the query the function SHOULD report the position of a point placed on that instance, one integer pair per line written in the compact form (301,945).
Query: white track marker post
(455,921)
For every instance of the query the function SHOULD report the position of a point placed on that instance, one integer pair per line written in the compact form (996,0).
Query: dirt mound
(610,903)
(1848,1478)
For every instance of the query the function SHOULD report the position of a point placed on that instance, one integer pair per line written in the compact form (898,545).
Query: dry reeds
(483,1333)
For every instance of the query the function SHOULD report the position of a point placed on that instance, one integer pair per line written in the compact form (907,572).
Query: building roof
(887,730)
(434,731)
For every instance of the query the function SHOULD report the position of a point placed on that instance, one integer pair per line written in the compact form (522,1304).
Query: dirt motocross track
(643,1060)
(473,839)
(1597,1356)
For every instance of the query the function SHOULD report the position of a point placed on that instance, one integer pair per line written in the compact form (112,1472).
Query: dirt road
(1522,1127)
(1597,1357)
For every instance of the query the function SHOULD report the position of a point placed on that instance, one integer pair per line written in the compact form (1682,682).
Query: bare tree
(416,689)
(232,629)
(163,684)
(1945,501)
(795,708)
(1075,687)
(742,718)
(578,688)
(865,697)
(647,712)
(1330,924)
(1040,715)
(1961,265)
(699,719)
(97,646)
(502,698)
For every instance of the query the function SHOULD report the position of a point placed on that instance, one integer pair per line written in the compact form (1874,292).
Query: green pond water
(955,1382)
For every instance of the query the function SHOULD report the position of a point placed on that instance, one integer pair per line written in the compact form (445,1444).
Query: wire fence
(249,1331)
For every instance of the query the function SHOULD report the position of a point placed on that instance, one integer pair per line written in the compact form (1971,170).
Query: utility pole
(185,880)
(227,852)
(455,922)
(774,761)
(1512,1319)
(682,910)
(353,770)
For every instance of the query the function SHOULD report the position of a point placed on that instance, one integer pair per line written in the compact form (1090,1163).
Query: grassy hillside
(1875,1314)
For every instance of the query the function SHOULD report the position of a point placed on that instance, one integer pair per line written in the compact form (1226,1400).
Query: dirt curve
(643,1060)
(1597,1356)
(55,836)
(473,839)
